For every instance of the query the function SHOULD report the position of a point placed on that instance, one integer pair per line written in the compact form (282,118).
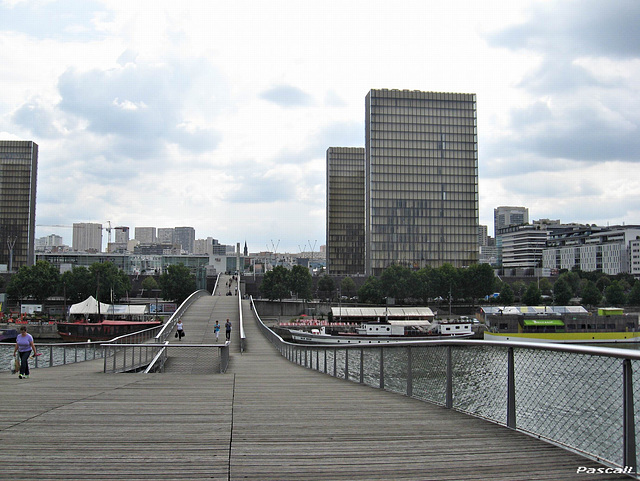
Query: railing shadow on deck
(578,397)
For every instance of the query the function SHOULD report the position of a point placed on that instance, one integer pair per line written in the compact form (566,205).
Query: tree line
(470,284)
(399,282)
(102,280)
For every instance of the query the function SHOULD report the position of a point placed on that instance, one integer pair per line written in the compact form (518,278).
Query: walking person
(216,330)
(24,346)
(227,327)
(179,330)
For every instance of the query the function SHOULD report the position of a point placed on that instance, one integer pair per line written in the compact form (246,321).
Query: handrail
(215,286)
(173,320)
(551,391)
(243,337)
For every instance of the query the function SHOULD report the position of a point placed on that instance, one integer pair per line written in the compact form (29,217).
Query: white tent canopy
(90,306)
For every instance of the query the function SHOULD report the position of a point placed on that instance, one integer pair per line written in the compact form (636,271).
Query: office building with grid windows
(18,174)
(345,210)
(421,179)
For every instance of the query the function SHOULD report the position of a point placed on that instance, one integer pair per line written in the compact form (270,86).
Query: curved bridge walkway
(265,419)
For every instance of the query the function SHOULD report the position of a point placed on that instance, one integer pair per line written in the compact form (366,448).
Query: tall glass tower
(18,173)
(345,210)
(421,179)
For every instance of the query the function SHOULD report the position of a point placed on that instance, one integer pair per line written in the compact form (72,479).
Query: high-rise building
(87,237)
(483,237)
(122,234)
(166,235)
(507,216)
(18,173)
(421,179)
(345,210)
(145,235)
(185,237)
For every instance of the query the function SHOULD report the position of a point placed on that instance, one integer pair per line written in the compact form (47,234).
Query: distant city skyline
(217,115)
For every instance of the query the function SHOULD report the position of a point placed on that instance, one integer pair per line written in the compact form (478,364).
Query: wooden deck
(265,419)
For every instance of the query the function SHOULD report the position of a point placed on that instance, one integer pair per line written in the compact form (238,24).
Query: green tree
(275,284)
(591,295)
(506,297)
(370,292)
(519,287)
(562,292)
(77,284)
(39,282)
(421,282)
(395,282)
(300,282)
(477,281)
(326,285)
(572,279)
(546,288)
(444,281)
(177,283)
(634,295)
(532,296)
(149,284)
(615,294)
(348,287)
(602,283)
(111,283)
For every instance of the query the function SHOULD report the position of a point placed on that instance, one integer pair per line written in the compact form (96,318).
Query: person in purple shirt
(24,345)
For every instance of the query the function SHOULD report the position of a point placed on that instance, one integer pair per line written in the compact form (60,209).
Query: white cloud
(218,114)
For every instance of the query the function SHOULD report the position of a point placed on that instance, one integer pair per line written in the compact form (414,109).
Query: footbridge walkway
(264,419)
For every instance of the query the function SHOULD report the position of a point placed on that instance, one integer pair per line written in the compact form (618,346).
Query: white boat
(385,333)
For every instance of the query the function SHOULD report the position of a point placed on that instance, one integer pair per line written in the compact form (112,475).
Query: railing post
(335,362)
(346,364)
(448,402)
(511,390)
(362,365)
(325,360)
(50,356)
(409,373)
(629,425)
(381,367)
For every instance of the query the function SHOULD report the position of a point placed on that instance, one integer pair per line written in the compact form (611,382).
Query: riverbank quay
(264,419)
(43,331)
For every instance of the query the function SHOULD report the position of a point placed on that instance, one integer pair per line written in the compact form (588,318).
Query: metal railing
(133,352)
(243,336)
(54,354)
(578,397)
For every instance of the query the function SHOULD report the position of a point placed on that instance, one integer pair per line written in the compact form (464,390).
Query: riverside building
(345,210)
(421,179)
(18,173)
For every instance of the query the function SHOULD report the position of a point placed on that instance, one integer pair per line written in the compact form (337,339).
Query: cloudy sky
(218,114)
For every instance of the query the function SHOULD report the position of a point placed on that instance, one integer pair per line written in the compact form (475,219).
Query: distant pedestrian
(179,330)
(24,346)
(216,330)
(227,327)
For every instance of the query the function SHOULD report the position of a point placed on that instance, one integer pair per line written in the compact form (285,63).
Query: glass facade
(345,210)
(421,179)
(18,172)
